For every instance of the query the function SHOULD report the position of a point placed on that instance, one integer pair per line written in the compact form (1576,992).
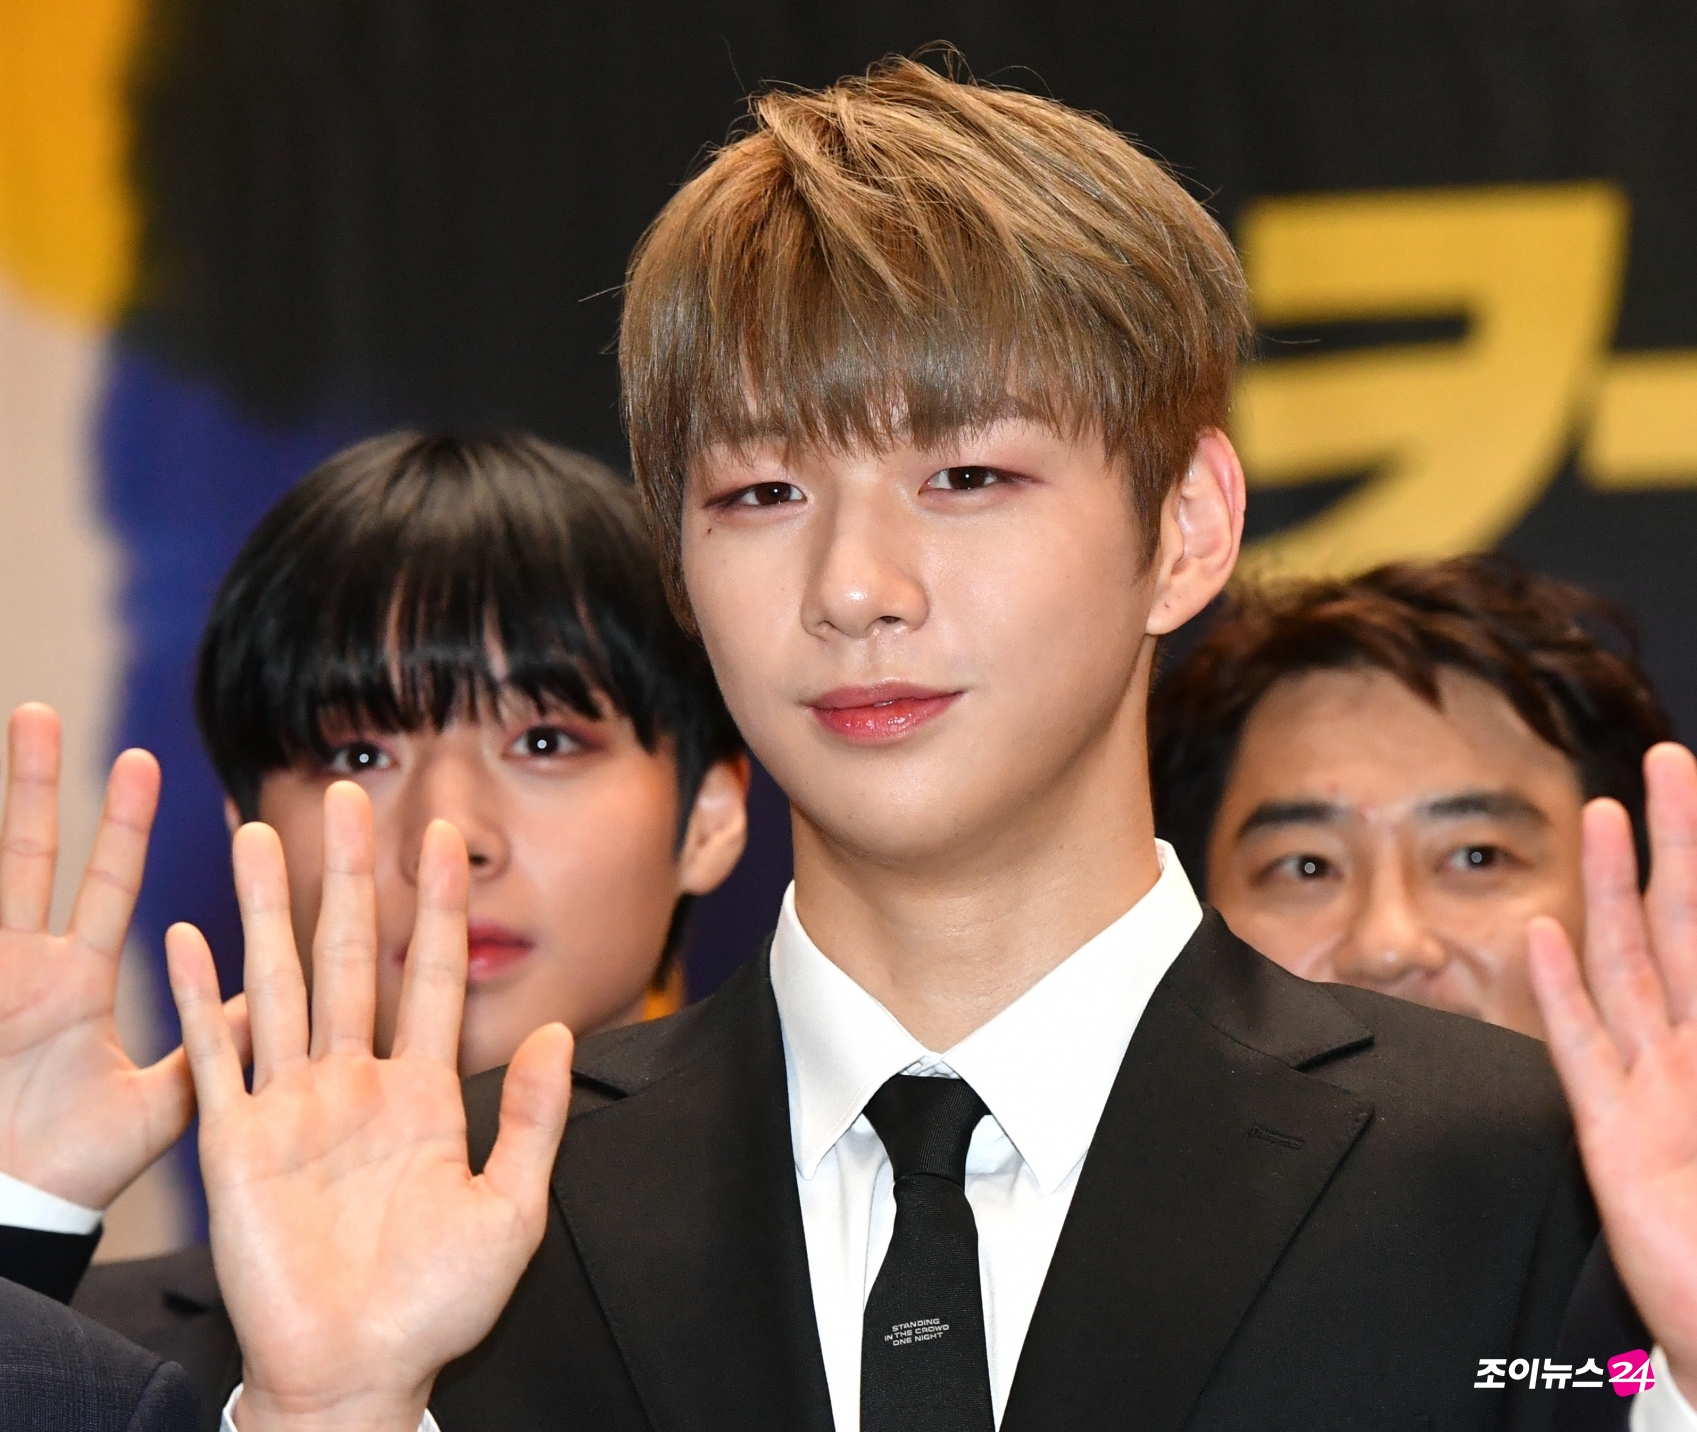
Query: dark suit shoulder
(616,1063)
(622,1061)
(62,1372)
(1420,1067)
(1429,1056)
(1449,1213)
(171,1306)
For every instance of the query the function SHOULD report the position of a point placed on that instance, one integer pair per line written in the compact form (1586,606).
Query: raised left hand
(1623,1034)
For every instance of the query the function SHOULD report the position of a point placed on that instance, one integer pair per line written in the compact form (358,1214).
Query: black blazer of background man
(60,1372)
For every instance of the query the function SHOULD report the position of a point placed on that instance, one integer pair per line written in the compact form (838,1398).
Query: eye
(765,494)
(964,479)
(1478,857)
(358,758)
(543,742)
(1304,868)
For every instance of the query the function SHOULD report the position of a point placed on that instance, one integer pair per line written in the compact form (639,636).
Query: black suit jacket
(59,1372)
(169,1305)
(1305,1207)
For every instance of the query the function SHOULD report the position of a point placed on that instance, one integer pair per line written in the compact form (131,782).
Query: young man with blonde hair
(925,386)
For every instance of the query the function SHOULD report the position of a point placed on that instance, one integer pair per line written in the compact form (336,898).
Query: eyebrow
(1272,814)
(1495,805)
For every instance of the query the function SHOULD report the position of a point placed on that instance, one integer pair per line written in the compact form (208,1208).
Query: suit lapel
(681,1199)
(1211,1150)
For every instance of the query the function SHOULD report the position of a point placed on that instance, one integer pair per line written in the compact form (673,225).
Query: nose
(1390,937)
(454,786)
(864,574)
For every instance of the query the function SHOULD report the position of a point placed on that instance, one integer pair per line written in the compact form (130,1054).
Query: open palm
(77,1117)
(1624,1040)
(357,1252)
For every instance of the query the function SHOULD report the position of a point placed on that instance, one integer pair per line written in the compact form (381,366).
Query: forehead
(1362,739)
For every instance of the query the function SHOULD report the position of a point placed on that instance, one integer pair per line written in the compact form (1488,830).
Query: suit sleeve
(46,1243)
(167,1404)
(51,1264)
(1567,1236)
(60,1372)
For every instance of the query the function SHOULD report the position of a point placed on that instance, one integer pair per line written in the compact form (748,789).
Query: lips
(877,715)
(494,949)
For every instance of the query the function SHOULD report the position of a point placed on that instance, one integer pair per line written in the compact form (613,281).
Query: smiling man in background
(1381,779)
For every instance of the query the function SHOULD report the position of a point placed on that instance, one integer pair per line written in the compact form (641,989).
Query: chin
(901,824)
(481,1049)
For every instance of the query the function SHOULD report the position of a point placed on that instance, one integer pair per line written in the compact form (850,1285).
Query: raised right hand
(77,1117)
(357,1252)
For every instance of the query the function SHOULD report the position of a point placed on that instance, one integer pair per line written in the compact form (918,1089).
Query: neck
(948,940)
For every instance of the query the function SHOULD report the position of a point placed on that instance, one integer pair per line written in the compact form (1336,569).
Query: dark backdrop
(363,212)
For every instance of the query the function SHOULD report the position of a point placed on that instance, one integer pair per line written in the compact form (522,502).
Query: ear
(232,816)
(717,829)
(1201,532)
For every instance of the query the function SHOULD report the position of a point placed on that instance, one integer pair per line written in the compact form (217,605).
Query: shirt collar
(1043,1067)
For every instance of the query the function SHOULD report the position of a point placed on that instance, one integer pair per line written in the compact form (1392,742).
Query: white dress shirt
(1043,1067)
(23,1205)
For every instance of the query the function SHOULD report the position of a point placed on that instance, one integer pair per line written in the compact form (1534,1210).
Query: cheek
(1303,941)
(1493,942)
(1494,973)
(740,596)
(748,647)
(608,878)
(1063,618)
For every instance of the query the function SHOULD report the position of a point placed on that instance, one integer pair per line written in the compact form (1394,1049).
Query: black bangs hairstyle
(415,578)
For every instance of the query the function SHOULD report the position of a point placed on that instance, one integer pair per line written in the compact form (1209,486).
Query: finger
(235,1010)
(1618,970)
(167,1090)
(214,1064)
(29,830)
(344,947)
(1670,781)
(1584,1054)
(107,896)
(433,987)
(534,1100)
(271,969)
(167,1085)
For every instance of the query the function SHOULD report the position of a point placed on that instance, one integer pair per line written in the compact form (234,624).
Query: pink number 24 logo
(1630,1372)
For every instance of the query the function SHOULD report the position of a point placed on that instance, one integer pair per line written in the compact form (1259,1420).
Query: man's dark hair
(414,578)
(1565,659)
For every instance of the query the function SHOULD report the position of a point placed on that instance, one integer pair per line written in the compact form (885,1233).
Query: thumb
(168,1087)
(534,1099)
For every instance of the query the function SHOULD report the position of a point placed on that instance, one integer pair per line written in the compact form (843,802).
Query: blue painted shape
(184,477)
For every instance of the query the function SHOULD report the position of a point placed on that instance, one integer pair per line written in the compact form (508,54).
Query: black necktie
(923,1367)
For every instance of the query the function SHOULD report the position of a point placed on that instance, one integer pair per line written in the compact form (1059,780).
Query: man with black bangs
(470,630)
